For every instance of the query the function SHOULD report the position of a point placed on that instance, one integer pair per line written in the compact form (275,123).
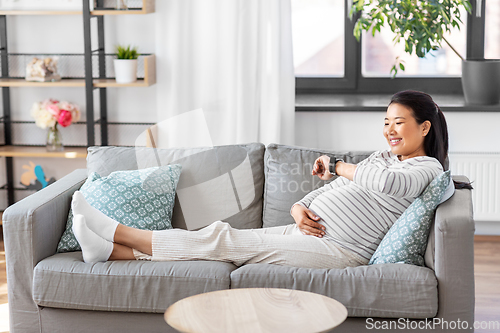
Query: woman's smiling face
(404,135)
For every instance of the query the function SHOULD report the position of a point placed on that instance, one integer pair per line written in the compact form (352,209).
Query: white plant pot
(125,70)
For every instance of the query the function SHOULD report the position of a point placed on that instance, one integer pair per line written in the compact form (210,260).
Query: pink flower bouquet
(50,112)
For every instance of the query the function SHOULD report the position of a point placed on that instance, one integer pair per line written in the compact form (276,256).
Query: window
(492,30)
(319,32)
(379,54)
(318,37)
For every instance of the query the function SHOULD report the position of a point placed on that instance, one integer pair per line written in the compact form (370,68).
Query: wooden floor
(486,271)
(487,278)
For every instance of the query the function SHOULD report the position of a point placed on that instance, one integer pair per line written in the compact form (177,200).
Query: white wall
(468,132)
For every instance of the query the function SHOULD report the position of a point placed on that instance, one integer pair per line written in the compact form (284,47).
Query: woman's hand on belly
(306,221)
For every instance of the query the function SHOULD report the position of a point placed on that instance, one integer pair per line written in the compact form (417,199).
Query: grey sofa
(58,292)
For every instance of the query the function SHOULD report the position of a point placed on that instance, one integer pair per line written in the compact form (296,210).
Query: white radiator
(483,170)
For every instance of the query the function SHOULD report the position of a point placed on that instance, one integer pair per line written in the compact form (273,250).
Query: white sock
(94,248)
(96,221)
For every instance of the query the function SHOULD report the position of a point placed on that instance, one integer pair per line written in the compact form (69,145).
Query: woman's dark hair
(423,109)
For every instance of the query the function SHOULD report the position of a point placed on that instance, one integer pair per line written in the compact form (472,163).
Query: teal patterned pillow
(141,199)
(406,240)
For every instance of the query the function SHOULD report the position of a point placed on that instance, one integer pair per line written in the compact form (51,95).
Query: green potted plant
(126,64)
(422,26)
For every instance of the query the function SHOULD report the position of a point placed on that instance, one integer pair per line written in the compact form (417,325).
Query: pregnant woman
(336,226)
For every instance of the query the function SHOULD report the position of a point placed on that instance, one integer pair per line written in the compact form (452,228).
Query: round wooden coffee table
(256,310)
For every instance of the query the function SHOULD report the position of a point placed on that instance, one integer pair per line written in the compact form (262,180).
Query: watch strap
(332,165)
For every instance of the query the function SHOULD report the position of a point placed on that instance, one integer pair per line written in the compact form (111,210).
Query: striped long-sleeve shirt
(357,214)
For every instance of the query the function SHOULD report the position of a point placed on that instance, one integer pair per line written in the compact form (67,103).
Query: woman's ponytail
(440,142)
(444,128)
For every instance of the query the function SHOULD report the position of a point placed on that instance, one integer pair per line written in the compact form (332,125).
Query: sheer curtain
(233,59)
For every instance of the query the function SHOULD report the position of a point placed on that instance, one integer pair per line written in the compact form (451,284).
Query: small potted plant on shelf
(422,26)
(126,64)
(50,113)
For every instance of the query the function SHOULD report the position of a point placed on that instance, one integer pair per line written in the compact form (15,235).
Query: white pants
(284,245)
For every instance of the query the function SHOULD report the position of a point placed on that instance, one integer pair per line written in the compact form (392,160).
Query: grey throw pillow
(217,183)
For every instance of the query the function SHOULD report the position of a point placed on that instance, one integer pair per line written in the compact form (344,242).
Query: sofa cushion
(142,199)
(288,177)
(386,290)
(65,281)
(407,239)
(220,183)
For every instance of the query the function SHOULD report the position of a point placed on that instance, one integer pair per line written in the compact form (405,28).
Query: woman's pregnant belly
(349,217)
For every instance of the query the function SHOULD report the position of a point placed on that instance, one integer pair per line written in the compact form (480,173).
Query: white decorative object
(121,4)
(125,70)
(42,70)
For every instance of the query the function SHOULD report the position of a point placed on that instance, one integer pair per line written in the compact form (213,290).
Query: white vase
(125,70)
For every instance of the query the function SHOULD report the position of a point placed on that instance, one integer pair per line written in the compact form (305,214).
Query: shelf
(149,76)
(26,151)
(98,83)
(24,83)
(5,187)
(148,80)
(40,12)
(148,6)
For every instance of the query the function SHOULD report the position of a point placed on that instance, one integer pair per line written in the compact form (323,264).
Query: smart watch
(332,165)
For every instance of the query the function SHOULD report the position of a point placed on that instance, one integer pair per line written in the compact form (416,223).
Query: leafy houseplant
(422,25)
(126,64)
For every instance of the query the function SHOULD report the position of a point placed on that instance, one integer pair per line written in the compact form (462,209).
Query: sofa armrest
(454,257)
(32,228)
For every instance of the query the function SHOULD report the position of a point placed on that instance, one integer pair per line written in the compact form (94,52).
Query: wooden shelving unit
(90,82)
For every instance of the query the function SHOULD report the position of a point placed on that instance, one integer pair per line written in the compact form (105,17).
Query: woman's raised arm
(407,181)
